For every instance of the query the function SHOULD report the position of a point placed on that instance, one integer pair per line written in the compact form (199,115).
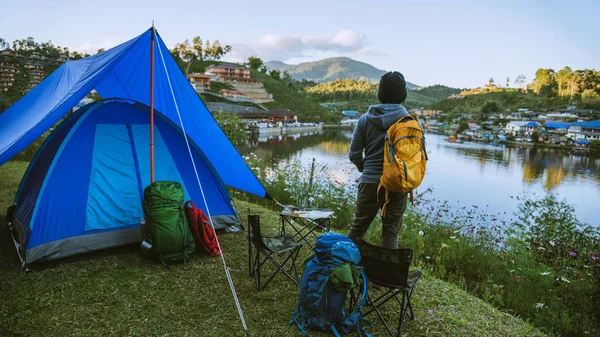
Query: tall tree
(563,77)
(255,62)
(491,81)
(574,82)
(544,83)
(215,51)
(507,81)
(276,74)
(3,44)
(520,80)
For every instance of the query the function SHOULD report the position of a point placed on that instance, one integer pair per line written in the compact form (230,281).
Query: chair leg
(280,267)
(294,264)
(380,316)
(405,307)
(257,269)
(403,311)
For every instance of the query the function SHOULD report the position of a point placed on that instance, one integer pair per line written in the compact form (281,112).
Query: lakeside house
(557,128)
(531,127)
(514,127)
(584,130)
(591,130)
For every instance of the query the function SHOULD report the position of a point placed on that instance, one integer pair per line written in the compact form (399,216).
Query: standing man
(368,137)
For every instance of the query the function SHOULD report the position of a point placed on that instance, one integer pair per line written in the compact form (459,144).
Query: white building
(515,127)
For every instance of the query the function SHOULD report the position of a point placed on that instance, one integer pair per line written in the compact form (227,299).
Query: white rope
(237,303)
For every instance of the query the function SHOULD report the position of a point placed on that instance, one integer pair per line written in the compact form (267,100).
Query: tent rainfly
(83,189)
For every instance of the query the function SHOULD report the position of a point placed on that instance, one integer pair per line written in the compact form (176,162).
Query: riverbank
(524,144)
(119,293)
(285,130)
(541,264)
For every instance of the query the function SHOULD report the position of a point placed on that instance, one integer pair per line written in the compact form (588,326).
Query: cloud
(285,47)
(92,47)
(370,52)
(296,46)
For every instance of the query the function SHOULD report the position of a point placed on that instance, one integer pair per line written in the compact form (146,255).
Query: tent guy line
(225,267)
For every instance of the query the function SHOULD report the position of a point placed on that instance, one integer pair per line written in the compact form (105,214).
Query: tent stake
(152,105)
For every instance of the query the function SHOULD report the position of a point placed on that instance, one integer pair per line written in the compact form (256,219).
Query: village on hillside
(37,65)
(572,127)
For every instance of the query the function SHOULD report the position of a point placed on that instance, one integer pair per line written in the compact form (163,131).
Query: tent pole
(152,105)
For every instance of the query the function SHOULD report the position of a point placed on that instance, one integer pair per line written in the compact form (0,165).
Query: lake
(465,174)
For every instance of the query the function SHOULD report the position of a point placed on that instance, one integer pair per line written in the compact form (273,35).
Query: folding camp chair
(389,269)
(280,246)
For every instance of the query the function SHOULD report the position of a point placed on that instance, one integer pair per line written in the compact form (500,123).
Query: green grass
(216,86)
(511,100)
(119,293)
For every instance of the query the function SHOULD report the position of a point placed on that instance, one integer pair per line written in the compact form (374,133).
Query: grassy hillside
(438,92)
(334,68)
(287,97)
(118,293)
(502,100)
(358,95)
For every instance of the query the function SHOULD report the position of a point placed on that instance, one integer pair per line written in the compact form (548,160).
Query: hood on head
(384,115)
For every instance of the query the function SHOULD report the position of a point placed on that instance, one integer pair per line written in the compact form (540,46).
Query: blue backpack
(321,305)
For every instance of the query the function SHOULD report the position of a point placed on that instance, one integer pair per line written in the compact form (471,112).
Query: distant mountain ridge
(330,69)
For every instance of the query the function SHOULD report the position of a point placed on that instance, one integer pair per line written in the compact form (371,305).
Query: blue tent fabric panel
(61,204)
(38,168)
(113,198)
(164,167)
(214,190)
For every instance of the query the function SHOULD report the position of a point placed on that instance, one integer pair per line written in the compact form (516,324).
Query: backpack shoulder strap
(355,321)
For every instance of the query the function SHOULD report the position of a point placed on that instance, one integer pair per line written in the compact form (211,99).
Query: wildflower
(569,268)
(552,243)
(311,199)
(421,233)
(428,257)
(564,279)
(573,254)
(453,237)
(512,271)
(540,305)
(545,273)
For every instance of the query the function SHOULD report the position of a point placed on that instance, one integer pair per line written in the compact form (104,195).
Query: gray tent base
(83,244)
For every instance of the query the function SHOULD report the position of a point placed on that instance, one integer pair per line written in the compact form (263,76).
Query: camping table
(304,221)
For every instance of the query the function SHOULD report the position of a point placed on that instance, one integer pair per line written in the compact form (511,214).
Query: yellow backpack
(404,158)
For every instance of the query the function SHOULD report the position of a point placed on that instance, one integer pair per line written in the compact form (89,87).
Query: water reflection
(473,173)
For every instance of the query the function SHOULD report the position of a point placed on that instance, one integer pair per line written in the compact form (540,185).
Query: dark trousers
(367,207)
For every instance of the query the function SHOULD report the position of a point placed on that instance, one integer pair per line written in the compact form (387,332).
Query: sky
(456,43)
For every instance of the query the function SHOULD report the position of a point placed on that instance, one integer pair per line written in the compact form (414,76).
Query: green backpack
(166,233)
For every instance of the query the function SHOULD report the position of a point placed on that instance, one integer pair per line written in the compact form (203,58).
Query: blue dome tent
(83,190)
